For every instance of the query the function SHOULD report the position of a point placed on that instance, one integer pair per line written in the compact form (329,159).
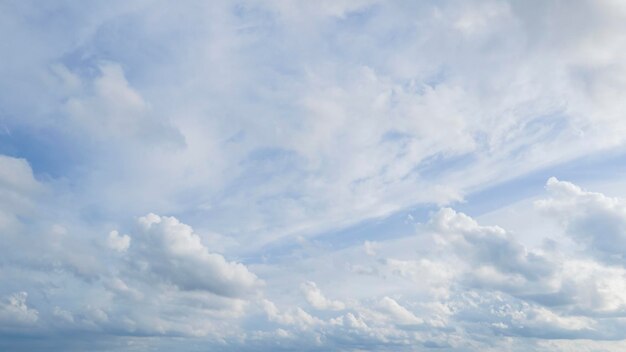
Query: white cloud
(269,121)
(590,288)
(489,246)
(14,312)
(355,136)
(369,248)
(18,189)
(118,242)
(400,314)
(467,278)
(63,315)
(170,250)
(293,316)
(593,220)
(316,298)
(351,321)
(115,111)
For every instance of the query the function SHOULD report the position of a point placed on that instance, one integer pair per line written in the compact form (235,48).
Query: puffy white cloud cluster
(449,285)
(315,297)
(264,122)
(18,188)
(490,248)
(118,242)
(14,313)
(158,279)
(170,250)
(470,285)
(595,221)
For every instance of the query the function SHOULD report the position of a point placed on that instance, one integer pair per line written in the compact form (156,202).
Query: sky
(326,175)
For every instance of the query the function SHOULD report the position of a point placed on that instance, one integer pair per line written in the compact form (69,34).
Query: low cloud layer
(466,282)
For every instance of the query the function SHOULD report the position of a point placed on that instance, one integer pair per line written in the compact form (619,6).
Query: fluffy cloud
(592,289)
(281,125)
(469,280)
(315,297)
(26,225)
(502,314)
(163,279)
(592,219)
(400,314)
(141,290)
(168,249)
(118,242)
(15,313)
(294,316)
(18,189)
(490,247)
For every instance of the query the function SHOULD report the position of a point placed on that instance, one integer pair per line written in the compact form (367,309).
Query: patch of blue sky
(262,163)
(544,128)
(49,151)
(395,136)
(496,196)
(438,164)
(605,165)
(400,224)
(123,41)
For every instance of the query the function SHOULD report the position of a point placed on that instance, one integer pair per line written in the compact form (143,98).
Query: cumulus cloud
(270,121)
(18,189)
(490,247)
(138,290)
(315,297)
(592,219)
(14,312)
(505,315)
(42,242)
(592,289)
(434,276)
(293,316)
(170,250)
(468,279)
(400,314)
(118,242)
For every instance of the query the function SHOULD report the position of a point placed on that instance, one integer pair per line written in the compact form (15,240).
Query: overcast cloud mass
(341,175)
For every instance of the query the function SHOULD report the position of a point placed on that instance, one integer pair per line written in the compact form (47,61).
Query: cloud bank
(326,176)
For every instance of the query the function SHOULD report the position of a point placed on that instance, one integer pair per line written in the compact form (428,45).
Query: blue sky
(316,176)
